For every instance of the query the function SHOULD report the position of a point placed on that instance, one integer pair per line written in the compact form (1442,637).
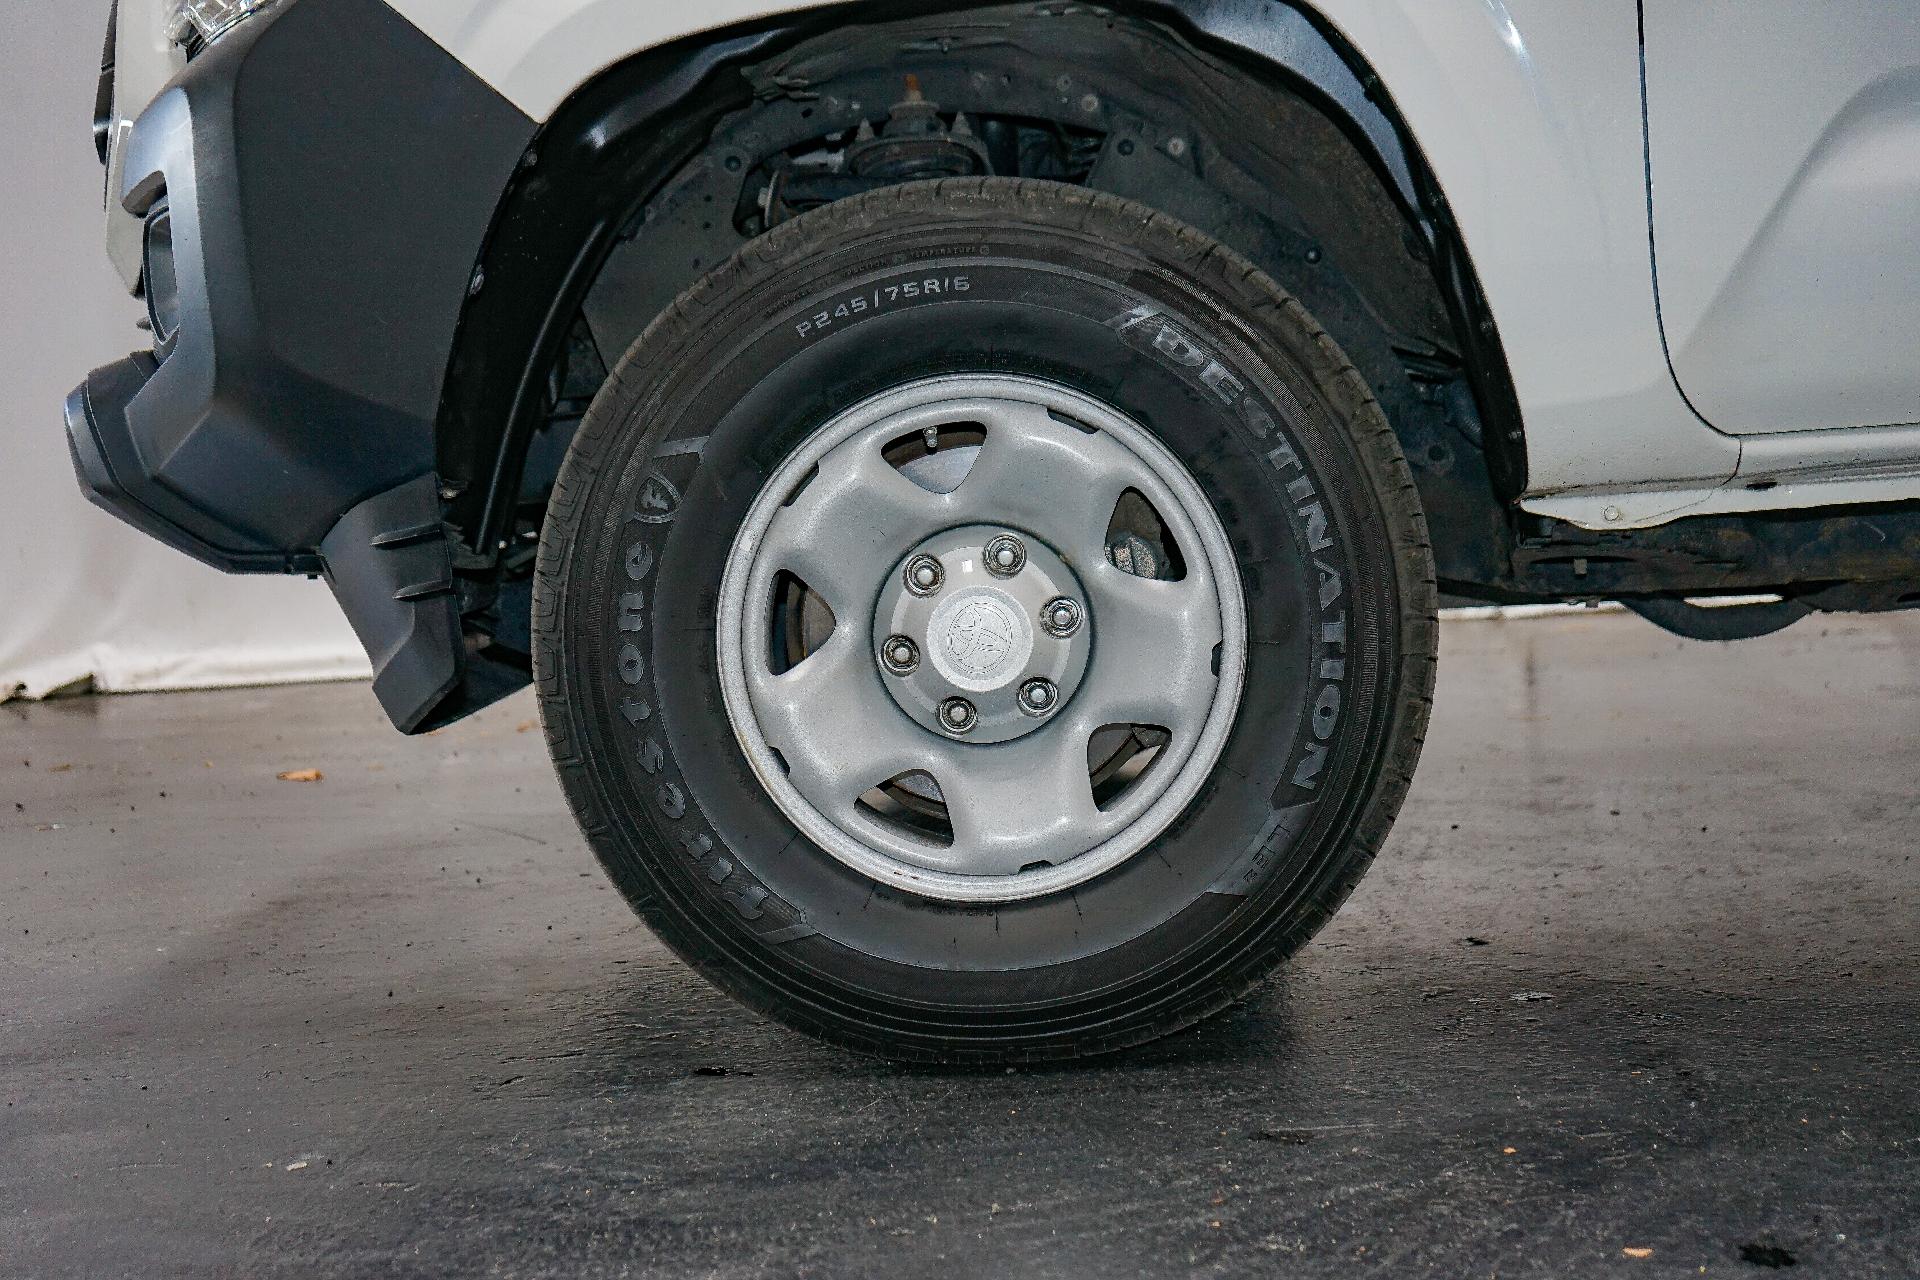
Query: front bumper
(330,175)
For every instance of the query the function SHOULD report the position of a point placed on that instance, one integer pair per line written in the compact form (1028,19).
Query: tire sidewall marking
(1149,330)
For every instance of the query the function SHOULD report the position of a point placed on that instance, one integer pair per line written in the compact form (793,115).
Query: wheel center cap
(981,639)
(970,640)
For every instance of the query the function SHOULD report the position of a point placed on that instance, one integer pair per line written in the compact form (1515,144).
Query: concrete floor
(1637,972)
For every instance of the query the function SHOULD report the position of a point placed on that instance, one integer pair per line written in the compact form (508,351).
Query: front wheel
(985,621)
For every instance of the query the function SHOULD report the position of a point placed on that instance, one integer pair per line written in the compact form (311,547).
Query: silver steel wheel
(938,714)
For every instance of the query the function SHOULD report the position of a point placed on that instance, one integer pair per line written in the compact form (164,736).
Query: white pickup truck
(972,483)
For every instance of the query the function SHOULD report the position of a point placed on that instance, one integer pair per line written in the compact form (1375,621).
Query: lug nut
(958,716)
(900,655)
(924,575)
(1038,697)
(1060,617)
(1005,555)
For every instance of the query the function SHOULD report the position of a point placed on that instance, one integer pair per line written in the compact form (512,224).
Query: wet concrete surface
(1636,972)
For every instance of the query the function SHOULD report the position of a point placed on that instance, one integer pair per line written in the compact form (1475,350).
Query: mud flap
(390,567)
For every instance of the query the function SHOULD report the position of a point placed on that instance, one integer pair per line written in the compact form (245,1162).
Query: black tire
(1232,375)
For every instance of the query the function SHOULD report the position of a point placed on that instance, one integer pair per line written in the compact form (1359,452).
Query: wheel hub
(985,629)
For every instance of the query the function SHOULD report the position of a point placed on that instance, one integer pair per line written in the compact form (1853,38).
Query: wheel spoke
(833,724)
(1043,475)
(1020,803)
(848,526)
(1153,651)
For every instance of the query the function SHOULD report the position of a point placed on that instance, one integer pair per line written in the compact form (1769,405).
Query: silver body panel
(1785,162)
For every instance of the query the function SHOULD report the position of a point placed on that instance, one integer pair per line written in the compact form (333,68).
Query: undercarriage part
(1693,621)
(1865,560)
(916,144)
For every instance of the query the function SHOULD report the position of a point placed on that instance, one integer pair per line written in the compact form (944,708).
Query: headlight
(195,22)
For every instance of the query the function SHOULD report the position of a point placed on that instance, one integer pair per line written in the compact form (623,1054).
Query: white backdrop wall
(82,596)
